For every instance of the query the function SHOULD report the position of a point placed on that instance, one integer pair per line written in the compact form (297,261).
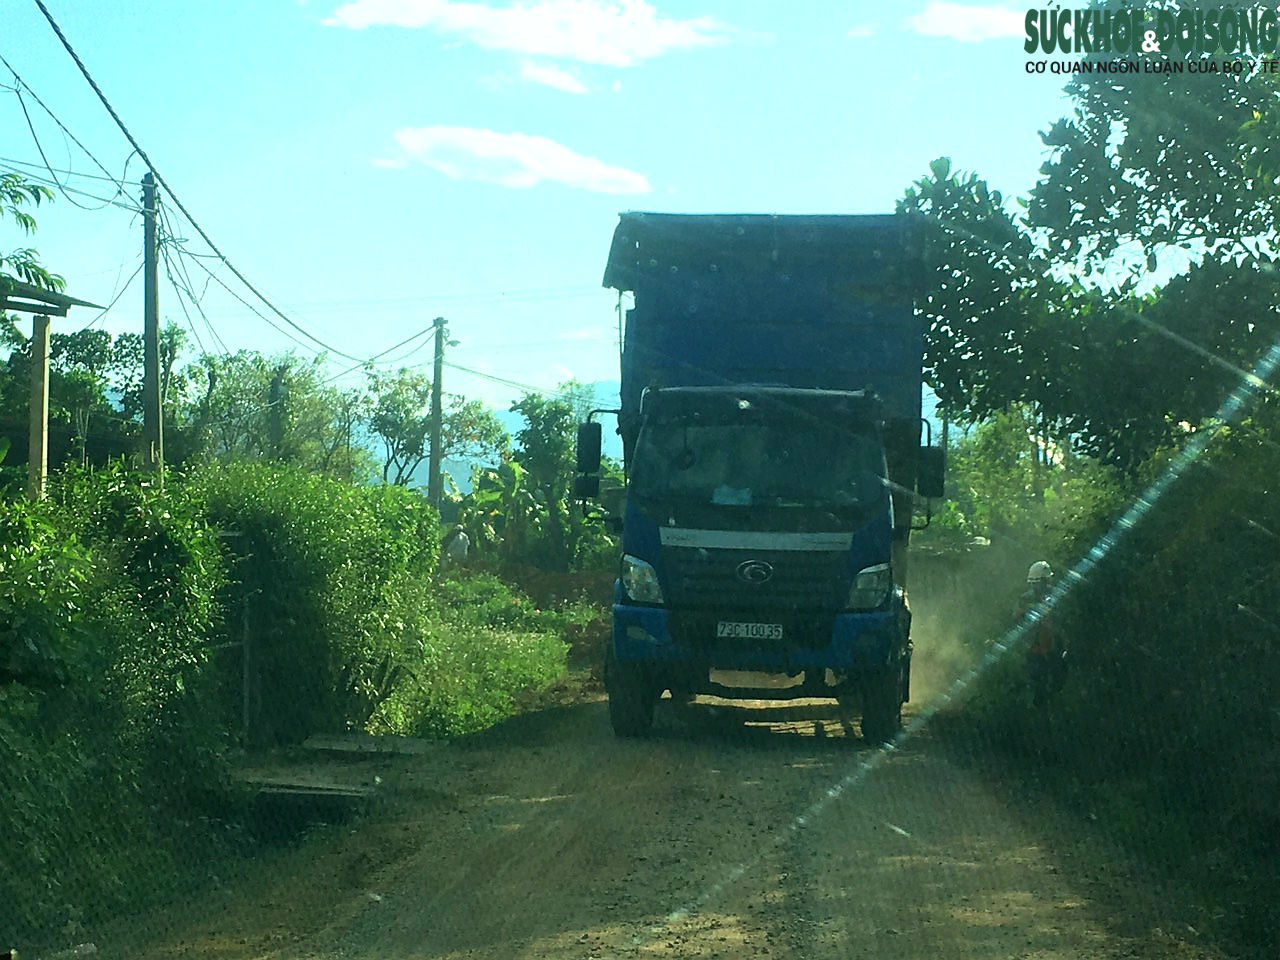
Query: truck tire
(631,698)
(882,703)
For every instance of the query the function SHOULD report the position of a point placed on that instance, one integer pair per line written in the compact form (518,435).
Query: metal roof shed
(19,297)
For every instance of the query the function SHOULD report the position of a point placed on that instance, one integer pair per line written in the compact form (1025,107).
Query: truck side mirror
(931,471)
(589,447)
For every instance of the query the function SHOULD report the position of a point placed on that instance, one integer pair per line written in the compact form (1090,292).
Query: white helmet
(1039,572)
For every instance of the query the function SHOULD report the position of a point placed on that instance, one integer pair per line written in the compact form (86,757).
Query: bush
(1169,714)
(321,567)
(120,678)
(480,643)
(107,612)
(483,600)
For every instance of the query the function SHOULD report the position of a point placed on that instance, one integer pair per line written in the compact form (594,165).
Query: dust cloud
(960,602)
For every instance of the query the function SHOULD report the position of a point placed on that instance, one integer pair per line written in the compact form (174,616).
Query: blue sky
(373,164)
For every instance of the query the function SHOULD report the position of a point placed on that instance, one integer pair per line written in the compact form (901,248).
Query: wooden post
(38,450)
(152,409)
(246,665)
(435,482)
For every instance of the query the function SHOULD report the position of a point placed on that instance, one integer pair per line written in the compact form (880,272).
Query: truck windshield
(789,464)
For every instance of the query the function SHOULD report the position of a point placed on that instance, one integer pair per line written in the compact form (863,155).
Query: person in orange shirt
(1047,655)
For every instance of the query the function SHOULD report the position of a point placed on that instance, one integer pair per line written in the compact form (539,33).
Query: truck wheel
(631,698)
(882,704)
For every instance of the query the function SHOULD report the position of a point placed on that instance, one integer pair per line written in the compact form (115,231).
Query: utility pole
(152,426)
(275,401)
(435,483)
(38,450)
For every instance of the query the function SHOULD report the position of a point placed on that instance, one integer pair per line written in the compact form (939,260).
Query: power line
(378,356)
(64,171)
(536,292)
(173,196)
(527,387)
(251,411)
(168,269)
(405,356)
(437,303)
(519,296)
(40,148)
(36,178)
(187,287)
(114,300)
(21,85)
(527,344)
(262,316)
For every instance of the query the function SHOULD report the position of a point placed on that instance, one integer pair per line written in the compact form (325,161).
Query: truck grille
(801,582)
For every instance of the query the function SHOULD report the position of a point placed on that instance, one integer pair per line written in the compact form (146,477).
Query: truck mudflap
(857,642)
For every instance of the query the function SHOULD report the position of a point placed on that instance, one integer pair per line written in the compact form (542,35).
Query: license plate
(732,630)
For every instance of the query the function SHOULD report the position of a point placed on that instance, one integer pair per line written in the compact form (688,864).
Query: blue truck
(772,444)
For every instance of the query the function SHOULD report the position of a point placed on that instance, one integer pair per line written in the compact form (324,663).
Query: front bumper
(846,643)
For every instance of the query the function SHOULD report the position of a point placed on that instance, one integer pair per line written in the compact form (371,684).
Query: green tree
(16,193)
(250,406)
(501,512)
(1151,164)
(1116,373)
(400,417)
(1148,179)
(125,368)
(84,424)
(1000,326)
(546,451)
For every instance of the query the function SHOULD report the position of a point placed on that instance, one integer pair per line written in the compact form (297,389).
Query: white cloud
(862,31)
(512,160)
(967,24)
(616,33)
(551,76)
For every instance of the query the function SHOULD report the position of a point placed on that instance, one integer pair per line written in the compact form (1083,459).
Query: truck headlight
(870,587)
(640,580)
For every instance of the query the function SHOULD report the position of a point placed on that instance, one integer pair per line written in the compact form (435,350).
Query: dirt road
(734,832)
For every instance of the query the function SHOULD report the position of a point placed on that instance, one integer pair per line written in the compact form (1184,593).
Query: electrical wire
(526,387)
(116,299)
(378,356)
(263,317)
(340,306)
(174,197)
(21,85)
(104,201)
(168,269)
(327,380)
(538,293)
(531,344)
(40,149)
(64,171)
(185,286)
(405,356)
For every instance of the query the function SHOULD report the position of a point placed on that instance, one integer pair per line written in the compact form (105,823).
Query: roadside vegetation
(285,580)
(1106,352)
(124,614)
